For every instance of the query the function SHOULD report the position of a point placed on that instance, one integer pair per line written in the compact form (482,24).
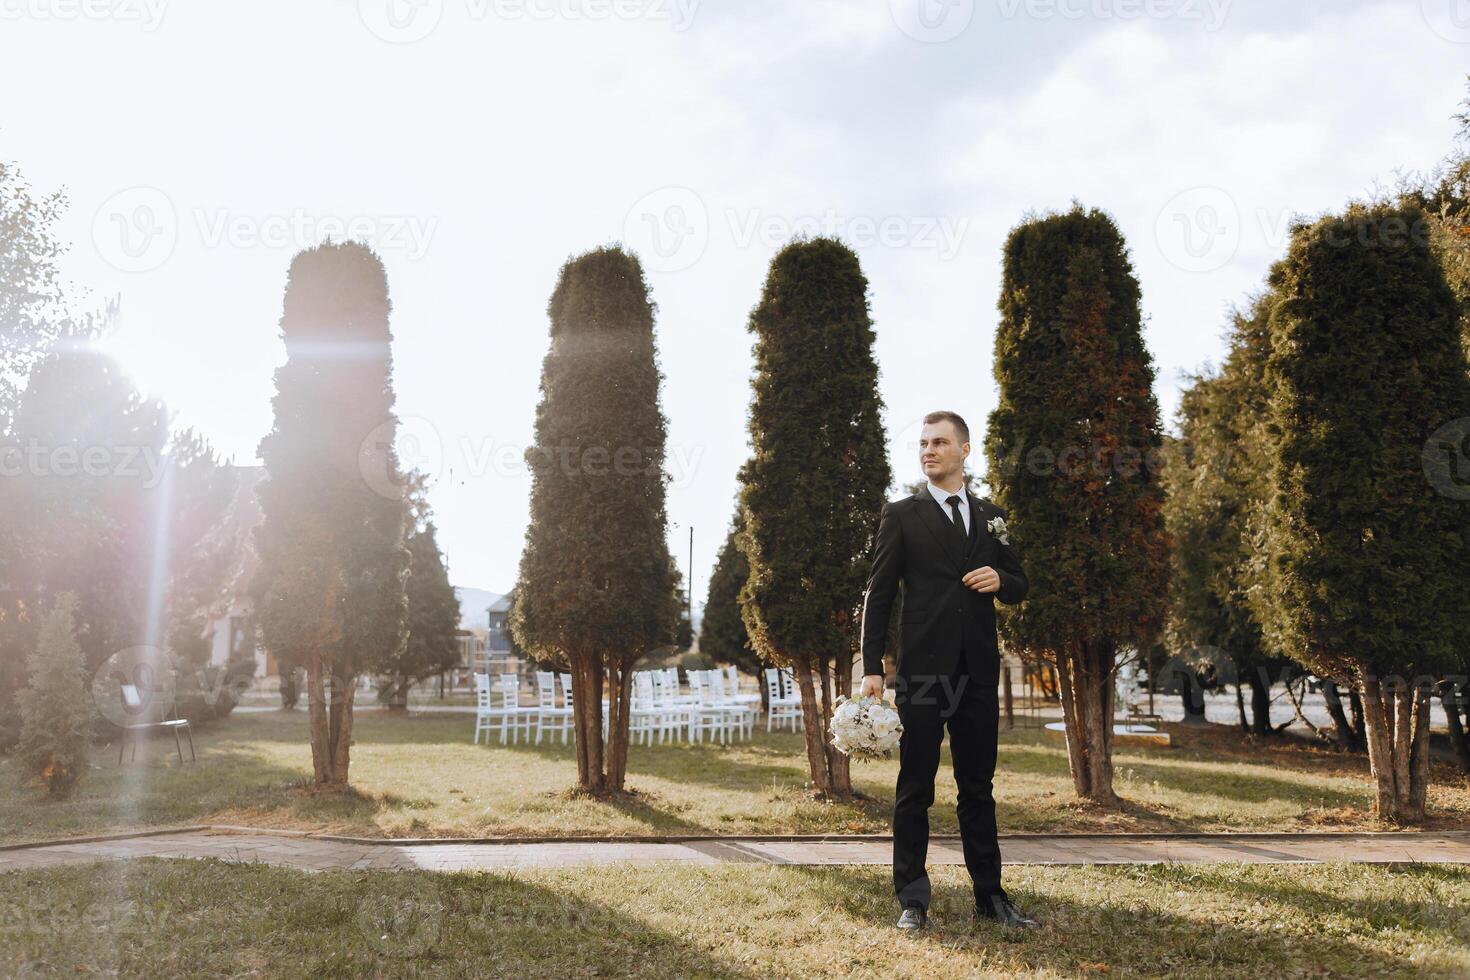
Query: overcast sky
(476,144)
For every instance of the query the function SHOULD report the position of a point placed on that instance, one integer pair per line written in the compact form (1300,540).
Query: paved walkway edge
(1089,836)
(305,852)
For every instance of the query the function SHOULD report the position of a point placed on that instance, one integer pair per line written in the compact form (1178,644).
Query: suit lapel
(938,522)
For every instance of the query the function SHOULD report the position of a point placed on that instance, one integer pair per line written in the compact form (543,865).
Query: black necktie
(959,522)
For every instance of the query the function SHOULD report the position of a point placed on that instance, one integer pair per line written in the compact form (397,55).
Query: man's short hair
(959,423)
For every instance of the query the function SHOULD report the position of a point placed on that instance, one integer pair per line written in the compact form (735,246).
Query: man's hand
(985,579)
(872,686)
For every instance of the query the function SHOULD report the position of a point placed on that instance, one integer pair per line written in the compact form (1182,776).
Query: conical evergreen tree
(597,582)
(1366,532)
(329,592)
(56,712)
(1215,477)
(812,491)
(1072,450)
(722,634)
(433,608)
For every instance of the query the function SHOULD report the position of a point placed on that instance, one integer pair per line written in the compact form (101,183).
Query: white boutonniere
(997,527)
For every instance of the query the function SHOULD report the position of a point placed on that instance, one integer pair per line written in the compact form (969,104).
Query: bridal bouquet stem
(865,727)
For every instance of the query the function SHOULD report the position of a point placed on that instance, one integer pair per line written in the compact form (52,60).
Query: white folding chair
(547,712)
(783,704)
(673,706)
(564,681)
(512,715)
(484,711)
(644,717)
(708,714)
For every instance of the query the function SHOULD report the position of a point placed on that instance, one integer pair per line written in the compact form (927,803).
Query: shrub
(55,709)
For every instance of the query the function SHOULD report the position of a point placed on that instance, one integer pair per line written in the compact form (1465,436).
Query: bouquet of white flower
(865,727)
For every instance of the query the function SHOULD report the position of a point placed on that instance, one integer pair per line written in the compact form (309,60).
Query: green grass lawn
(191,918)
(420,776)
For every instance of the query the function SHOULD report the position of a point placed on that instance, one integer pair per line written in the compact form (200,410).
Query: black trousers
(970,709)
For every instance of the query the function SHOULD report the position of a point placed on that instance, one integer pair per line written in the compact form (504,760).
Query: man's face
(941,454)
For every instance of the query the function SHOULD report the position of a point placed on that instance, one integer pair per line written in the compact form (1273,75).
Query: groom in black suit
(954,561)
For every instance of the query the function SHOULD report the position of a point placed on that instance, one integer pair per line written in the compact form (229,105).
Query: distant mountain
(472,605)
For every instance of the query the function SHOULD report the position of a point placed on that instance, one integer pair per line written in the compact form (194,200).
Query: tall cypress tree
(812,491)
(1215,478)
(597,582)
(1366,551)
(1072,452)
(329,592)
(722,633)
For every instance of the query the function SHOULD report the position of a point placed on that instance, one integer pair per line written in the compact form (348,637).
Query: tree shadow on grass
(189,918)
(1370,908)
(1202,778)
(1116,935)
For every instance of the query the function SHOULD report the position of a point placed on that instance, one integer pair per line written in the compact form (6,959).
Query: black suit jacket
(942,619)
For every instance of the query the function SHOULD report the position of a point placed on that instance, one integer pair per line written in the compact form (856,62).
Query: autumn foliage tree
(1367,524)
(597,586)
(812,490)
(1072,452)
(329,592)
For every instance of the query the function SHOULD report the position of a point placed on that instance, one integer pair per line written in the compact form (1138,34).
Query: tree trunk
(331,690)
(1086,680)
(579,721)
(815,735)
(1072,719)
(619,702)
(344,691)
(395,695)
(1192,694)
(1396,716)
(1452,699)
(1347,736)
(587,700)
(839,766)
(1008,695)
(1261,702)
(290,686)
(1360,731)
(317,721)
(1245,725)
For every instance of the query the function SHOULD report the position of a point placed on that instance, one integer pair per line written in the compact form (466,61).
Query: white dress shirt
(942,496)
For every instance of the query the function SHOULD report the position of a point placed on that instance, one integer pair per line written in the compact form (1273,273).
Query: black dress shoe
(913,918)
(1001,910)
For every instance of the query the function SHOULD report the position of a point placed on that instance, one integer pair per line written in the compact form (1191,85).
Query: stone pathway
(323,853)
